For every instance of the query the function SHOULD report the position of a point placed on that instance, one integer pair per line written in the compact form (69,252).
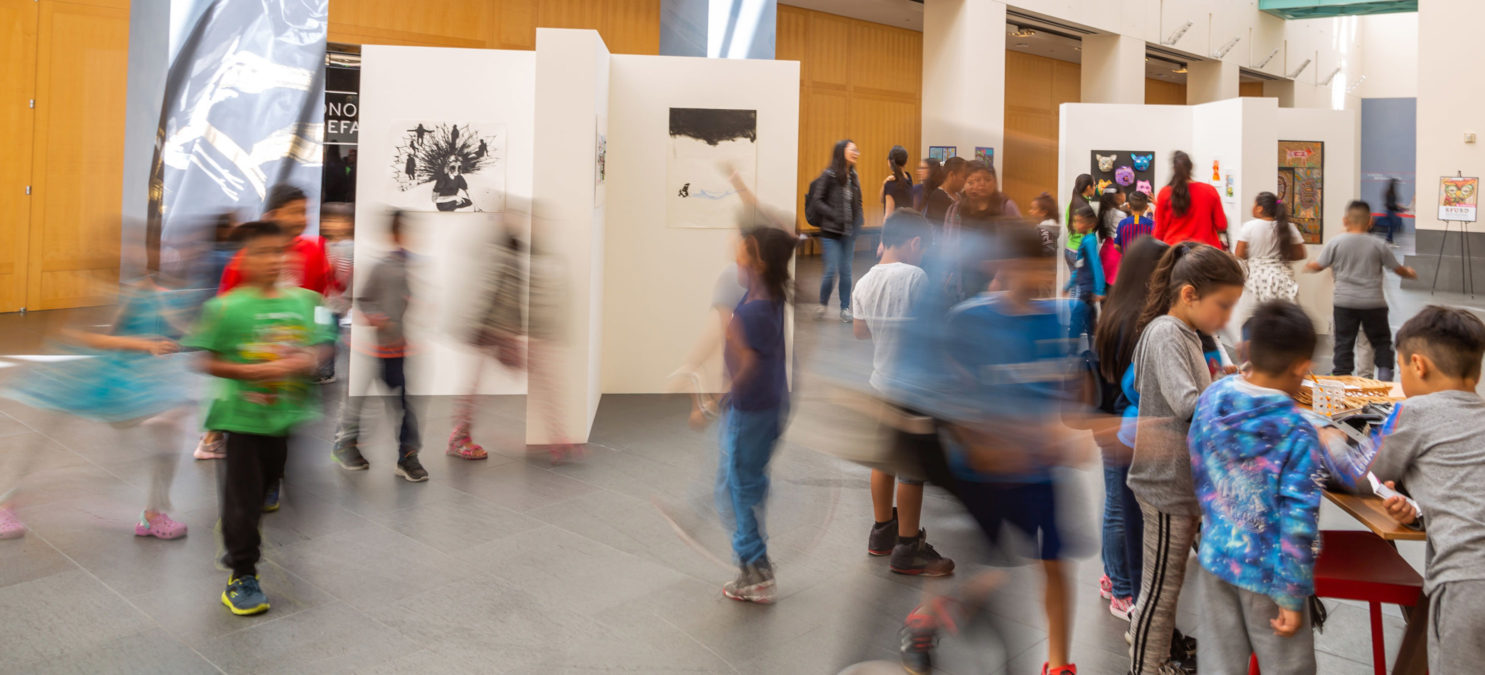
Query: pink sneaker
(160,526)
(10,526)
(1121,607)
(1105,588)
(213,449)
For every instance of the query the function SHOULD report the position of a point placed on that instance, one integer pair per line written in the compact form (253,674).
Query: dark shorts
(1030,508)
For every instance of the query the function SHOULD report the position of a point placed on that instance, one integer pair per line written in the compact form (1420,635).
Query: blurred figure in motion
(262,341)
(382,301)
(834,206)
(1086,285)
(498,331)
(1009,376)
(929,175)
(126,376)
(756,407)
(338,225)
(897,187)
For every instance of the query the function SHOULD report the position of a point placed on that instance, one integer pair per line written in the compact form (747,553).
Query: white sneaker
(216,449)
(845,316)
(820,313)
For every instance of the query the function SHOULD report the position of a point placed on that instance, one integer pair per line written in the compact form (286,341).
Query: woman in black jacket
(836,205)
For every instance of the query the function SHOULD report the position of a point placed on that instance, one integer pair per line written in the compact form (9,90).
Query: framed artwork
(984,154)
(1128,170)
(448,166)
(707,145)
(1459,198)
(942,152)
(1302,186)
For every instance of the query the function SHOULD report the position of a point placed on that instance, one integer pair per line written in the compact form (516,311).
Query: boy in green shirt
(263,340)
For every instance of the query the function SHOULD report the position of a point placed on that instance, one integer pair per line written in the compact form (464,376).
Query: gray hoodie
(387,292)
(1169,374)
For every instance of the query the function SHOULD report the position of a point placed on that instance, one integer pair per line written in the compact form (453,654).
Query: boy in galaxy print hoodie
(1253,463)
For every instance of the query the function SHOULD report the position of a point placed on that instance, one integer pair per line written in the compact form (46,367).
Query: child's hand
(1399,508)
(1287,623)
(156,346)
(1407,272)
(1097,298)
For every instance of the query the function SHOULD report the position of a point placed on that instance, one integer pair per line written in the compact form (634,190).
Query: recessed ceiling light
(1023,32)
(1077,48)
(1181,69)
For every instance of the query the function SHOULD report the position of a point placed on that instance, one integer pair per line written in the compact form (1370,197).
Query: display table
(1412,653)
(1370,512)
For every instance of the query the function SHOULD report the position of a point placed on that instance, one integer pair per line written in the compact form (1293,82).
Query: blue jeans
(1082,319)
(1115,559)
(1392,222)
(748,440)
(838,254)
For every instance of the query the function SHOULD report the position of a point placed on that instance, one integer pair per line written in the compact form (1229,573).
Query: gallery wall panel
(627,26)
(1034,88)
(17,83)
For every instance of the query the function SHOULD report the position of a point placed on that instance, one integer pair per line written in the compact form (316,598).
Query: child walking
(1433,446)
(1086,285)
(1269,243)
(756,407)
(262,341)
(383,300)
(1193,291)
(1359,259)
(1253,465)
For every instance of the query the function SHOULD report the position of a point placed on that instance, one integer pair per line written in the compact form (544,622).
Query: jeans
(1115,561)
(395,377)
(838,253)
(1378,332)
(253,464)
(1392,222)
(748,441)
(1083,318)
(1134,535)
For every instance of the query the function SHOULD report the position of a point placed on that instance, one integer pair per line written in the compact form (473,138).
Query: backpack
(813,201)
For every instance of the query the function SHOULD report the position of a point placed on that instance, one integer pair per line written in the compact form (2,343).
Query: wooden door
(17,87)
(82,56)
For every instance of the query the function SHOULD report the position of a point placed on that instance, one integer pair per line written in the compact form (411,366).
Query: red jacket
(1202,221)
(313,267)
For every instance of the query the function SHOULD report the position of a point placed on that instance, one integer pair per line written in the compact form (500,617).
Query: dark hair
(1085,212)
(1180,183)
(1047,205)
(1389,196)
(1081,183)
(281,195)
(1453,339)
(1108,207)
(996,201)
(902,227)
(773,247)
(838,161)
(1189,263)
(1139,200)
(1359,209)
(897,158)
(1113,339)
(337,210)
(954,165)
(1269,205)
(1279,335)
(257,229)
(396,222)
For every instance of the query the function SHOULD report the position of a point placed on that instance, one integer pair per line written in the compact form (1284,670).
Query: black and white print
(449,166)
(707,146)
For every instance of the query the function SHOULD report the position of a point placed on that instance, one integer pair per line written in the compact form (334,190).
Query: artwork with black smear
(448,166)
(707,146)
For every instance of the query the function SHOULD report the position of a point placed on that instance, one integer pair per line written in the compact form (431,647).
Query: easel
(1464,254)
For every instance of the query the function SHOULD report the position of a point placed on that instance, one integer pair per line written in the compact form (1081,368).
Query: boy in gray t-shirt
(1358,260)
(1433,445)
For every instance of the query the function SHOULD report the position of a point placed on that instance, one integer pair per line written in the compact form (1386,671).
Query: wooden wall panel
(627,26)
(1035,87)
(82,57)
(18,20)
(1254,89)
(1160,92)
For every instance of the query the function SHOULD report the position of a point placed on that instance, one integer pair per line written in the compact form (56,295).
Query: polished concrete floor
(512,564)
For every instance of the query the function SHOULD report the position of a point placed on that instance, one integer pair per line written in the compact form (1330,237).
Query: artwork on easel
(1459,198)
(1128,170)
(1302,186)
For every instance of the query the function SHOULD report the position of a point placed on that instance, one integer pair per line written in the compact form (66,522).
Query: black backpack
(813,200)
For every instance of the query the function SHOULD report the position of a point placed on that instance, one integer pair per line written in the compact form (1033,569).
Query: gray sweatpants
(1456,624)
(1168,540)
(1234,625)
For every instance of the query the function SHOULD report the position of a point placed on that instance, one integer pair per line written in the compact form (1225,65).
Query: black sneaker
(348,456)
(411,469)
(883,537)
(754,583)
(919,635)
(917,558)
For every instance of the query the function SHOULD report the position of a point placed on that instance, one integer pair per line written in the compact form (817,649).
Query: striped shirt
(1130,230)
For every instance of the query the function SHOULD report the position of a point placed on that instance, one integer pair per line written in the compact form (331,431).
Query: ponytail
(897,158)
(1269,205)
(1080,185)
(1189,263)
(1180,183)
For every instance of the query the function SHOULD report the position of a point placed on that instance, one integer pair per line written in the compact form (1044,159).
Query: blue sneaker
(270,502)
(244,597)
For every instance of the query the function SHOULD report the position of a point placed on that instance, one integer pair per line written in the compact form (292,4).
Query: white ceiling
(900,13)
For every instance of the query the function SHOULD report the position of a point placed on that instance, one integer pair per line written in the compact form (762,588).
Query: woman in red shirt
(1188,210)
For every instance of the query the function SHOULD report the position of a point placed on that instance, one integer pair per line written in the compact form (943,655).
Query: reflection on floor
(512,565)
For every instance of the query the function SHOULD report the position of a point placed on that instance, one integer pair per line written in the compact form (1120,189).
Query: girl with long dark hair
(1188,210)
(1269,243)
(930,176)
(1082,196)
(836,204)
(897,188)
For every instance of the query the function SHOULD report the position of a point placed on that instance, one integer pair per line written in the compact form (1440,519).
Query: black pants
(253,464)
(1378,332)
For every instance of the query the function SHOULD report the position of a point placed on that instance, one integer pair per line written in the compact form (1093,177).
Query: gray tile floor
(511,565)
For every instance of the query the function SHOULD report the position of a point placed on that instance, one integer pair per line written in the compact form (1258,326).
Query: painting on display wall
(942,152)
(1128,170)
(984,154)
(448,166)
(707,146)
(1302,186)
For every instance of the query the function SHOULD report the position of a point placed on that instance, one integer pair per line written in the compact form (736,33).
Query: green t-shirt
(244,326)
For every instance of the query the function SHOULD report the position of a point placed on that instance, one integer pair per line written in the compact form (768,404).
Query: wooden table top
(1370,512)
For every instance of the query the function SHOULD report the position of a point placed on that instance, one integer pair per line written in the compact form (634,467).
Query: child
(1044,211)
(1434,446)
(1254,468)
(1193,291)
(1086,285)
(1358,259)
(755,354)
(383,299)
(1138,224)
(263,341)
(882,300)
(1269,243)
(338,223)
(1110,214)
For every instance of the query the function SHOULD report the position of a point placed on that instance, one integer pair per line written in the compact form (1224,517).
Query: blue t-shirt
(761,323)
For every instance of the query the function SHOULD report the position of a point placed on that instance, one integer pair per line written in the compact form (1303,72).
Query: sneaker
(270,500)
(845,316)
(1106,588)
(820,313)
(411,469)
(213,449)
(10,526)
(244,597)
(348,456)
(918,558)
(1068,669)
(328,378)
(1121,607)
(917,639)
(883,537)
(754,583)
(159,526)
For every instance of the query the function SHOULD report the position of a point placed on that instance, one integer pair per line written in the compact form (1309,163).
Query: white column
(964,75)
(1113,69)
(1447,34)
(1208,81)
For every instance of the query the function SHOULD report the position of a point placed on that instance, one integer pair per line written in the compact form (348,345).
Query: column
(1113,69)
(964,75)
(1208,81)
